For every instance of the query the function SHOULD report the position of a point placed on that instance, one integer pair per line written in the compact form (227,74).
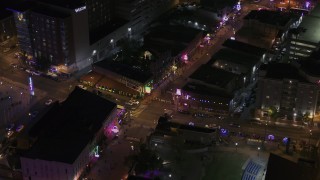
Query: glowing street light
(258,151)
(236,146)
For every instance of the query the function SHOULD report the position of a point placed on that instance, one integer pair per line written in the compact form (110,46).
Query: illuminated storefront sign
(80,9)
(147,89)
(31,86)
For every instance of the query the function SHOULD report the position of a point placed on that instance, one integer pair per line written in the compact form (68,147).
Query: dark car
(234,125)
(182,111)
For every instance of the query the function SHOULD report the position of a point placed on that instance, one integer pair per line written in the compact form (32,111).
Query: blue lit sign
(31,86)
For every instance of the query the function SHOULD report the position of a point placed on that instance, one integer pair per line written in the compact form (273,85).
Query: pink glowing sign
(185,57)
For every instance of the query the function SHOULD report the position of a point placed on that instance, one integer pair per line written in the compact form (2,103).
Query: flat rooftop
(276,18)
(205,90)
(282,71)
(125,70)
(237,57)
(174,33)
(312,26)
(244,47)
(213,76)
(66,129)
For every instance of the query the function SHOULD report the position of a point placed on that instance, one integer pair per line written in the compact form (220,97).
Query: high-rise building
(99,13)
(50,33)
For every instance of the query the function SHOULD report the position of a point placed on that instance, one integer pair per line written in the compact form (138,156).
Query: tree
(43,63)
(306,117)
(273,112)
(145,160)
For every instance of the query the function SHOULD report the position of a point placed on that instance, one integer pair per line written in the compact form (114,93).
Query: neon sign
(31,86)
(80,9)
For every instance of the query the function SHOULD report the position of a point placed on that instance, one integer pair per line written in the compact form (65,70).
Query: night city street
(159,90)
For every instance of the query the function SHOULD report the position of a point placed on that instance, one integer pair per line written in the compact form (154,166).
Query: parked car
(34,114)
(82,87)
(19,128)
(234,125)
(10,127)
(48,102)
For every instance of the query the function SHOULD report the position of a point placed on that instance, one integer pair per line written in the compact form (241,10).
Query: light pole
(258,151)
(236,146)
(310,134)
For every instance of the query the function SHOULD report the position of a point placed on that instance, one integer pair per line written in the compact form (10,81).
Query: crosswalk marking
(138,111)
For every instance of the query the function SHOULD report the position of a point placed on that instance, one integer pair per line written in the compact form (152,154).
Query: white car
(82,87)
(132,101)
(48,102)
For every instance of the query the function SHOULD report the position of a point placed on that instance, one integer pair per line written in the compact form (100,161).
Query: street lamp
(236,146)
(310,134)
(258,151)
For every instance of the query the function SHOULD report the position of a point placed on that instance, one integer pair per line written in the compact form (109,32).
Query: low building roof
(244,47)
(112,84)
(205,90)
(173,33)
(237,57)
(92,77)
(125,70)
(276,18)
(213,76)
(66,129)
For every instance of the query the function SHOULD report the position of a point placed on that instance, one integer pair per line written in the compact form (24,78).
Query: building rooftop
(69,4)
(125,70)
(50,12)
(282,71)
(66,129)
(205,90)
(311,24)
(213,76)
(173,33)
(281,168)
(237,57)
(244,47)
(276,18)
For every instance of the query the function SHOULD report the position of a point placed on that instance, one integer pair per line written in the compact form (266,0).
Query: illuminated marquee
(80,9)
(31,86)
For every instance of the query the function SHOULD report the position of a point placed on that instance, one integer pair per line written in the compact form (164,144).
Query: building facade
(292,97)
